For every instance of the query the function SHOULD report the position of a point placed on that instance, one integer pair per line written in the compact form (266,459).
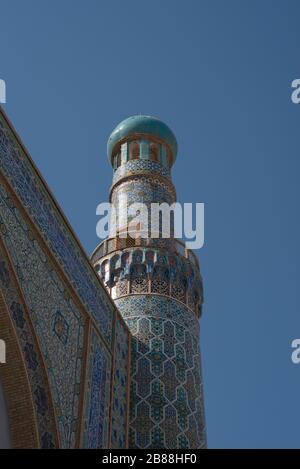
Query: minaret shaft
(156,285)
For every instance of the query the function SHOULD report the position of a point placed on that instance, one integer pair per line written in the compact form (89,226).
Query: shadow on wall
(4,427)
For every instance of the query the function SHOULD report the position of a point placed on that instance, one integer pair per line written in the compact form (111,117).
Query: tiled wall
(74,326)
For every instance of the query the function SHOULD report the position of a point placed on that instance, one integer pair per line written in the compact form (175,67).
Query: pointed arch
(16,388)
(31,417)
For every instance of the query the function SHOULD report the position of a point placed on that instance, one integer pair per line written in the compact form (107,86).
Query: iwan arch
(100,353)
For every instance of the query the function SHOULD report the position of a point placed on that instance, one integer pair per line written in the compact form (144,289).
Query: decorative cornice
(150,271)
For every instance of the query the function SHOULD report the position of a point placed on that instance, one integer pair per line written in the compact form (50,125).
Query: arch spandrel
(62,296)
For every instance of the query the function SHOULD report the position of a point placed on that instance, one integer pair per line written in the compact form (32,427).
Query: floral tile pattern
(37,377)
(57,320)
(19,171)
(45,295)
(96,424)
(120,395)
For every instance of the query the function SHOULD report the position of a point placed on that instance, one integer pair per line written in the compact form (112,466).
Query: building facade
(156,285)
(65,383)
(100,353)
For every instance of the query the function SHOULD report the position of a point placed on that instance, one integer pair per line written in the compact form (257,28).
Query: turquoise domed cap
(142,125)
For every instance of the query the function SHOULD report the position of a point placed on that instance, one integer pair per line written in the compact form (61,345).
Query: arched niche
(18,426)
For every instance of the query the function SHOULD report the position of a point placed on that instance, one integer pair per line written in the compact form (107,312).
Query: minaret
(157,287)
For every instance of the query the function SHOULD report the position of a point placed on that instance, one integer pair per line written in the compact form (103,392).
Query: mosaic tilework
(159,294)
(153,271)
(36,373)
(96,423)
(120,386)
(143,190)
(49,302)
(58,323)
(140,167)
(59,327)
(171,245)
(166,386)
(18,169)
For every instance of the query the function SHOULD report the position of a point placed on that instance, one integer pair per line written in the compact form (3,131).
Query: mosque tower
(157,287)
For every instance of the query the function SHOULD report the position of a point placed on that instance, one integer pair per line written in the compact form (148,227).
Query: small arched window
(169,158)
(154,152)
(117,160)
(134,150)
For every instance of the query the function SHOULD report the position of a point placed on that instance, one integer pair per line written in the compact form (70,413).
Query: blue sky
(219,73)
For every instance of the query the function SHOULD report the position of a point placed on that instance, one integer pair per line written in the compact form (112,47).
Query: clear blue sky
(219,73)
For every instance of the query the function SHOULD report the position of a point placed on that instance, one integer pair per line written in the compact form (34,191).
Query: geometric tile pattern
(143,190)
(60,302)
(37,377)
(58,323)
(135,167)
(146,270)
(166,386)
(75,346)
(106,410)
(96,422)
(19,171)
(159,295)
(120,395)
